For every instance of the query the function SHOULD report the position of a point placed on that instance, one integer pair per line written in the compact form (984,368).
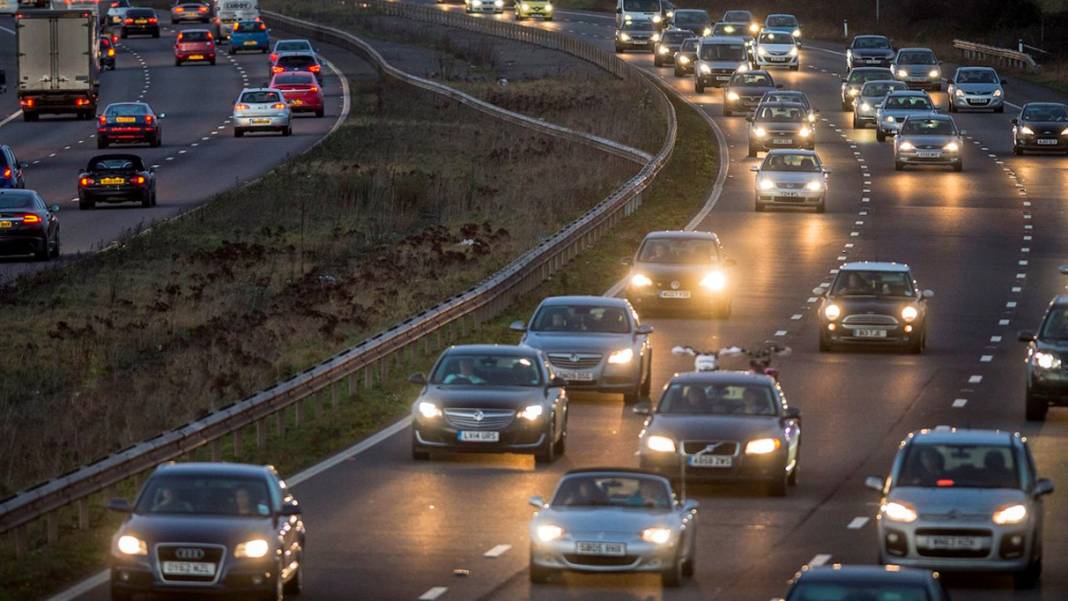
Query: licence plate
(297,101)
(5,225)
(1046,141)
(674,294)
(111,181)
(711,461)
(476,436)
(125,119)
(790,194)
(609,549)
(196,57)
(953,542)
(140,21)
(261,121)
(575,375)
(928,154)
(188,568)
(723,78)
(869,333)
(250,42)
(782,141)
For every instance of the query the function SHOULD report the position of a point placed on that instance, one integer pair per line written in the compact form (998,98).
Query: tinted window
(855,282)
(774,37)
(1045,112)
(642,6)
(867,43)
(260,97)
(863,75)
(677,250)
(712,399)
(293,78)
(908,102)
(689,18)
(976,76)
(782,113)
(1056,325)
(723,52)
(581,318)
(291,46)
(737,16)
(916,57)
(16,201)
(689,45)
(752,80)
(465,369)
(118,110)
(199,495)
(791,162)
(781,21)
(786,97)
(618,491)
(115,164)
(140,13)
(820,591)
(929,127)
(675,37)
(195,36)
(959,466)
(873,89)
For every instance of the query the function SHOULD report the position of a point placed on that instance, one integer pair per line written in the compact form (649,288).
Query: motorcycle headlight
(766,184)
(898,512)
(797,33)
(1027,131)
(660,444)
(902,73)
(804,132)
(832,311)
(657,536)
(531,412)
(934,73)
(909,313)
(998,93)
(959,93)
(732,96)
(716,280)
(793,51)
(760,132)
(253,549)
(905,146)
(548,532)
(814,185)
(762,446)
(621,357)
(951,147)
(1046,360)
(657,18)
(429,410)
(131,545)
(889,119)
(1012,514)
(623,36)
(639,280)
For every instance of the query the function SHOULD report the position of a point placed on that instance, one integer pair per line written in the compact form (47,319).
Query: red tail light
(274,57)
(128,21)
(81,102)
(211,36)
(149,119)
(114,38)
(179,9)
(278,105)
(314,90)
(31,218)
(102,120)
(139,180)
(242,107)
(114,5)
(153,20)
(86,181)
(202,9)
(315,68)
(28,102)
(263,27)
(277,69)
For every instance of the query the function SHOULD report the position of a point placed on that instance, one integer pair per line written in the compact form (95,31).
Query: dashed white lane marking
(433,593)
(858,523)
(959,403)
(796,316)
(975,379)
(819,560)
(812,299)
(780,332)
(1010,305)
(986,358)
(497,551)
(995,339)
(1016,289)
(1003,322)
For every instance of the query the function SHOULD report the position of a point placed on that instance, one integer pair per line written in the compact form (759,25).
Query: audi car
(869,51)
(28,225)
(250,36)
(930,140)
(490,398)
(855,80)
(918,67)
(964,501)
(680,270)
(636,35)
(198,12)
(695,21)
(873,303)
(776,49)
(976,88)
(593,343)
(744,91)
(723,426)
(780,125)
(898,106)
(262,109)
(128,123)
(717,60)
(668,45)
(871,96)
(610,520)
(301,91)
(226,529)
(116,178)
(194,45)
(686,57)
(140,21)
(1047,352)
(865,583)
(1041,126)
(791,178)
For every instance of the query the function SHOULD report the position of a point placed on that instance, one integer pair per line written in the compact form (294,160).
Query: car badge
(674,284)
(189,553)
(574,358)
(479,416)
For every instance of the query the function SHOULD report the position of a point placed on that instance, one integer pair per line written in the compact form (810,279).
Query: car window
(870,43)
(114,164)
(200,495)
(715,399)
(677,251)
(581,318)
(641,6)
(804,163)
(775,37)
(737,16)
(249,26)
(260,97)
(689,18)
(140,13)
(675,37)
(612,491)
(916,57)
(1055,326)
(781,21)
(689,45)
(786,97)
(467,369)
(18,200)
(863,75)
(127,110)
(723,52)
(908,102)
(781,113)
(194,36)
(825,591)
(858,282)
(879,89)
(752,80)
(291,46)
(293,78)
(976,76)
(931,465)
(929,127)
(1057,113)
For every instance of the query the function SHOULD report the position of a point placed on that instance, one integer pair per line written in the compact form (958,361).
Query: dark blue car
(10,169)
(250,36)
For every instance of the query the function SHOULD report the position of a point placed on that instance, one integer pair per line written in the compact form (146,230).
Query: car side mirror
(290,509)
(644,330)
(536,502)
(928,293)
(120,505)
(642,408)
(162,116)
(53,208)
(558,382)
(518,326)
(417,378)
(874,483)
(690,505)
(1043,487)
(1026,336)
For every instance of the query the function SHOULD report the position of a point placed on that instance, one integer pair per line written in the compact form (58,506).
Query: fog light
(892,537)
(908,329)
(831,326)
(124,576)
(1017,540)
(257,580)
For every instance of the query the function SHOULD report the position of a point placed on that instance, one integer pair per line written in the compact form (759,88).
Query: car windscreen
(775,37)
(689,45)
(976,76)
(260,97)
(880,89)
(295,46)
(1056,113)
(195,36)
(752,80)
(1055,327)
(726,29)
(21,200)
(638,26)
(293,79)
(621,490)
(717,399)
(641,6)
(862,75)
(916,57)
(581,318)
(115,164)
(781,21)
(802,163)
(916,103)
(781,113)
(737,16)
(677,251)
(723,52)
(786,97)
(298,61)
(931,465)
(127,110)
(929,127)
(205,495)
(867,591)
(857,282)
(868,43)
(486,369)
(691,18)
(675,37)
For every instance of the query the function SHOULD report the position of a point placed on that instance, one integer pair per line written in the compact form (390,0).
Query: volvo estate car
(791,178)
(1041,126)
(976,88)
(873,303)
(855,80)
(680,270)
(871,96)
(744,91)
(869,51)
(918,67)
(898,106)
(1047,361)
(780,125)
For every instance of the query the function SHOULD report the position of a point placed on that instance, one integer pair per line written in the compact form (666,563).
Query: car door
(53,221)
(559,396)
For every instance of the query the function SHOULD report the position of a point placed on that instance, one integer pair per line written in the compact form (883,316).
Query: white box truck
(57,60)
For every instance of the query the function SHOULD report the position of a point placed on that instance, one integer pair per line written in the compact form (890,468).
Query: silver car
(928,140)
(869,98)
(976,88)
(262,109)
(613,520)
(896,107)
(855,80)
(776,49)
(918,67)
(963,500)
(791,178)
(594,343)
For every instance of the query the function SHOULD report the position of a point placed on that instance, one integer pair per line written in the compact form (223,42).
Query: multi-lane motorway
(986,240)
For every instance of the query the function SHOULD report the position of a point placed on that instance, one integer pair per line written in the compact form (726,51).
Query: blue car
(250,35)
(10,169)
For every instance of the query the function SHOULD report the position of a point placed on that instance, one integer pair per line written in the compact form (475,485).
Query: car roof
(681,234)
(590,300)
(260,90)
(692,10)
(305,40)
(723,39)
(864,573)
(916,49)
(801,151)
(195,29)
(949,435)
(869,35)
(909,93)
(874,266)
(16,192)
(1059,300)
(195,468)
(500,349)
(780,103)
(614,470)
(977,69)
(725,377)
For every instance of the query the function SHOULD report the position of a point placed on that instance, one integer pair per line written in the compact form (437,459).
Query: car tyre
(561,445)
(761,207)
(856,122)
(679,73)
(657,62)
(45,253)
(727,112)
(538,574)
(56,246)
(86,204)
(958,166)
(899,166)
(238,132)
(279,593)
(546,452)
(157,140)
(795,67)
(879,135)
(619,50)
(288,131)
(752,152)
(777,486)
(952,107)
(917,345)
(101,142)
(124,35)
(671,577)
(1029,577)
(822,206)
(1000,109)
(146,200)
(1036,408)
(319,113)
(177,63)
(211,62)
(1016,150)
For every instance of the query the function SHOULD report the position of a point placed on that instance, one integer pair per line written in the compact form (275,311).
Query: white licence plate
(953,542)
(477,436)
(674,294)
(575,375)
(869,333)
(188,568)
(711,461)
(928,154)
(610,549)
(723,78)
(1046,141)
(790,193)
(782,141)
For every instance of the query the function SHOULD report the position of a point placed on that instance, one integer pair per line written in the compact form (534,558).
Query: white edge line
(11,117)
(82,587)
(433,593)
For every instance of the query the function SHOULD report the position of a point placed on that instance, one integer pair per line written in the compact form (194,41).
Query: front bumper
(744,103)
(927,157)
(1042,142)
(744,468)
(781,140)
(777,61)
(796,197)
(977,101)
(999,548)
(924,81)
(640,556)
(861,334)
(520,436)
(142,576)
(633,44)
(699,299)
(858,61)
(262,122)
(717,77)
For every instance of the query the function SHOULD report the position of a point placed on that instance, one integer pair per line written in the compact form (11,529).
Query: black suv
(1047,376)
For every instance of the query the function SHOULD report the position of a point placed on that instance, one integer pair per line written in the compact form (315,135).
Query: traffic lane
(9,103)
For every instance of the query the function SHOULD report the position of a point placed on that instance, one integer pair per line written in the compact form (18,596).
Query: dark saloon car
(221,528)
(855,80)
(744,91)
(128,123)
(1047,361)
(490,398)
(875,583)
(298,61)
(696,21)
(680,270)
(28,225)
(686,57)
(197,12)
(871,303)
(1041,126)
(670,43)
(869,51)
(780,125)
(116,178)
(636,35)
(140,21)
(724,427)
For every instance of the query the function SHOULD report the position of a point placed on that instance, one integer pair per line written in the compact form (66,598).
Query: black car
(869,51)
(224,528)
(490,398)
(696,21)
(116,178)
(28,225)
(11,174)
(670,43)
(1047,360)
(107,53)
(723,426)
(129,123)
(871,303)
(780,125)
(865,582)
(140,21)
(686,57)
(636,35)
(1041,126)
(680,270)
(744,91)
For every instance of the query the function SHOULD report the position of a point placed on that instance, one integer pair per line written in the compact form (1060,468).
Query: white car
(116,11)
(776,49)
(262,109)
(484,6)
(791,178)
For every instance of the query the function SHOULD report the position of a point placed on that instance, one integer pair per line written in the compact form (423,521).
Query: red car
(194,45)
(128,122)
(301,90)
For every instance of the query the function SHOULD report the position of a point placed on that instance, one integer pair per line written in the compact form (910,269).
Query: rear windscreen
(195,36)
(260,97)
(296,61)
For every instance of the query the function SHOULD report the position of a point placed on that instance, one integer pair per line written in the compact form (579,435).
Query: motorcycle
(760,359)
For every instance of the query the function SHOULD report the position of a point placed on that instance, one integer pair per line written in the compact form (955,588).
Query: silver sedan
(613,520)
(262,109)
(896,107)
(791,178)
(928,140)
(869,98)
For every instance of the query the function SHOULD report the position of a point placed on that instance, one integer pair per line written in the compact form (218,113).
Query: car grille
(479,419)
(575,361)
(959,517)
(692,447)
(790,185)
(196,552)
(599,560)
(869,320)
(928,146)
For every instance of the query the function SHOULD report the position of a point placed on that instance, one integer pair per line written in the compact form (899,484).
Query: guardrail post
(51,528)
(236,436)
(280,423)
(352,383)
(261,434)
(83,514)
(335,393)
(21,544)
(298,412)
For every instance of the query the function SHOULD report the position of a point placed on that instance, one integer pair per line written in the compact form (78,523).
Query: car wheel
(752,152)
(777,486)
(937,87)
(795,67)
(279,593)
(45,252)
(101,142)
(690,564)
(1016,150)
(958,166)
(657,62)
(295,586)
(1037,408)
(211,62)
(619,50)
(727,112)
(899,166)
(952,107)
(124,35)
(29,116)
(879,135)
(55,246)
(288,131)
(319,113)
(177,63)
(146,200)
(822,206)
(546,452)
(760,207)
(154,199)
(672,577)
(856,122)
(1028,578)
(538,574)
(238,132)
(157,141)
(700,89)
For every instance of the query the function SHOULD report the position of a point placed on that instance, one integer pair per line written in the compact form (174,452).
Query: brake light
(237,26)
(81,102)
(153,20)
(114,5)
(139,180)
(944,483)
(314,90)
(211,36)
(128,21)
(7,171)
(263,27)
(114,38)
(179,9)
(148,119)
(86,181)
(315,68)
(31,218)
(278,105)
(111,52)
(27,102)
(202,9)
(274,57)
(242,106)
(102,119)
(277,69)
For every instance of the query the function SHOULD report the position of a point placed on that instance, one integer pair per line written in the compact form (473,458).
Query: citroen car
(686,57)
(898,106)
(636,35)
(865,583)
(1040,126)
(262,109)
(668,45)
(964,501)
(744,91)
(28,225)
(855,80)
(526,9)
(484,6)
(783,23)
(198,12)
(129,123)
(116,178)
(929,140)
(140,21)
(869,51)
(870,97)
(918,67)
(718,59)
(680,270)
(791,178)
(594,343)
(776,49)
(976,88)
(490,398)
(791,96)
(226,529)
(611,520)
(743,20)
(696,21)
(1047,355)
(250,36)
(780,125)
(723,426)
(873,303)
(194,45)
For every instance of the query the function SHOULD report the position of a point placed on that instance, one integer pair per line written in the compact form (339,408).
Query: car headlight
(732,96)
(131,545)
(766,184)
(832,311)
(898,512)
(998,93)
(639,280)
(657,18)
(793,51)
(742,68)
(628,18)
(524,6)
(532,412)
(853,92)
(934,73)
(660,444)
(548,8)
(762,51)
(864,106)
(498,3)
(906,146)
(706,69)
(814,185)
(548,532)
(1046,360)
(951,147)
(729,29)
(1027,131)
(753,27)
(1012,514)
(707,31)
(716,280)
(889,119)
(429,410)
(762,446)
(684,60)
(902,73)
(804,132)
(657,536)
(623,36)
(655,37)
(621,357)
(671,14)
(663,50)
(797,33)
(760,132)
(909,313)
(958,93)
(253,549)
(1064,132)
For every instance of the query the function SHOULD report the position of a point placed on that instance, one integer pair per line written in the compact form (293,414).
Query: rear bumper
(265,122)
(189,56)
(58,103)
(237,44)
(140,29)
(123,135)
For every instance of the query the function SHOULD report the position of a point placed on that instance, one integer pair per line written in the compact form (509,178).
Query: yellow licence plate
(125,119)
(196,57)
(250,42)
(296,101)
(140,21)
(5,225)
(111,181)
(261,121)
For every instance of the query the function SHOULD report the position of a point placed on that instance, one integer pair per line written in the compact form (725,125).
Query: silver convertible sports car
(613,520)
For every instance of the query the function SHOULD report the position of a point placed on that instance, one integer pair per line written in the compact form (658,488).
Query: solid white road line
(858,523)
(348,453)
(959,403)
(433,593)
(82,587)
(497,551)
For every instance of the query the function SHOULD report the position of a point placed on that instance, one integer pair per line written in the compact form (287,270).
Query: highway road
(383,527)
